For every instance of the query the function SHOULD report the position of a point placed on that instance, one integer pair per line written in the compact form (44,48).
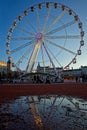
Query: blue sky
(10,9)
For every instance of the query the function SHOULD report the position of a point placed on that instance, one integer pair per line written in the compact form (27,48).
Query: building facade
(82,71)
(47,69)
(3,67)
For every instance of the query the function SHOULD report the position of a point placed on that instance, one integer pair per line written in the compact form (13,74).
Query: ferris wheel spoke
(49,57)
(30,24)
(43,60)
(38,20)
(46,19)
(22,46)
(25,31)
(54,57)
(22,38)
(61,27)
(24,55)
(63,37)
(63,48)
(55,20)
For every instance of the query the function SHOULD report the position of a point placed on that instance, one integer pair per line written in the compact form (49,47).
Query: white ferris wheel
(49,33)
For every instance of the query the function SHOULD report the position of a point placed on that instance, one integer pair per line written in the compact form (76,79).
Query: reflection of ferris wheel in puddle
(38,36)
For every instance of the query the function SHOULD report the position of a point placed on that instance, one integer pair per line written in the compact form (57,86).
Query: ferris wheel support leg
(51,60)
(33,57)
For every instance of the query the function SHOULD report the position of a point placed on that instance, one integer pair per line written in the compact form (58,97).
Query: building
(47,69)
(75,72)
(67,74)
(3,67)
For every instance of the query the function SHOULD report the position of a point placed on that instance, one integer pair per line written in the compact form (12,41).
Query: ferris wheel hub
(39,36)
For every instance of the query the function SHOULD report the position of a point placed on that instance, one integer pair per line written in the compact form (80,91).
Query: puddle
(48,112)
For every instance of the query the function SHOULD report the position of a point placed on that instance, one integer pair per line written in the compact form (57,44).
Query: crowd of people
(47,79)
(41,79)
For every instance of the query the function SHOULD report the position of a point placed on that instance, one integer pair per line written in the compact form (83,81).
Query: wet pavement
(44,112)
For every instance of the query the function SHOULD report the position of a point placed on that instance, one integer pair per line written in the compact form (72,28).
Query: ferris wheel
(48,33)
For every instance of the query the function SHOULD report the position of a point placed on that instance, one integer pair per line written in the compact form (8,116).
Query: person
(38,79)
(35,78)
(76,79)
(0,78)
(48,79)
(83,78)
